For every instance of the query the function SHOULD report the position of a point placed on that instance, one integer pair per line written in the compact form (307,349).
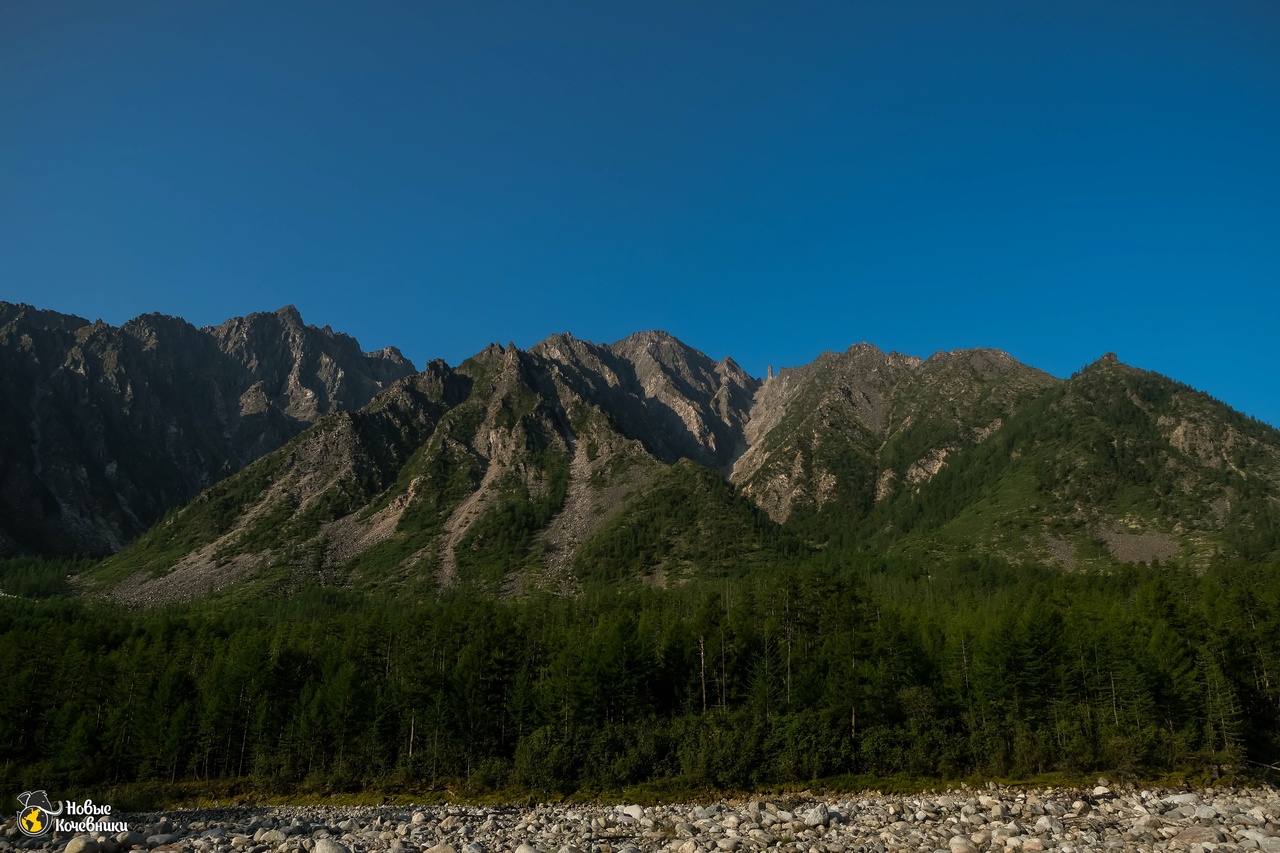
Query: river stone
(328,845)
(817,816)
(1200,835)
(526,848)
(82,844)
(1182,799)
(1050,825)
(960,844)
(131,839)
(161,840)
(442,848)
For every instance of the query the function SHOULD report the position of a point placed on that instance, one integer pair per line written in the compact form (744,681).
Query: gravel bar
(998,820)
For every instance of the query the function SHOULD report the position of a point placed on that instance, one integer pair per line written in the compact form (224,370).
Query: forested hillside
(816,667)
(584,566)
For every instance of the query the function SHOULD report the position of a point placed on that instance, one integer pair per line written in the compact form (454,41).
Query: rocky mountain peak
(649,337)
(703,404)
(730,371)
(13,314)
(106,428)
(981,362)
(289,315)
(1109,364)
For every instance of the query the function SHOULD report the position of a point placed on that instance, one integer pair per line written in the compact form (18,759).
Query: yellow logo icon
(35,818)
(33,821)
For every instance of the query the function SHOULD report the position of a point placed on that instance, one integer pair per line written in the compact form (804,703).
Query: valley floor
(963,821)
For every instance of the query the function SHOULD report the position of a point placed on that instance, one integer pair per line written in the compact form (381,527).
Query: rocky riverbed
(965,821)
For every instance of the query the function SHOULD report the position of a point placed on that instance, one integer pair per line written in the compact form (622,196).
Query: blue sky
(764,180)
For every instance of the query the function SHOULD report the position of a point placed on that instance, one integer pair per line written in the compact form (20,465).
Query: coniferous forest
(822,667)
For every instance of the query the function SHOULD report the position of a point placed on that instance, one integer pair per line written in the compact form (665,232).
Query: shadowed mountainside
(103,429)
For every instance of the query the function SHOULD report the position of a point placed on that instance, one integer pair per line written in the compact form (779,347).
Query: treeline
(829,667)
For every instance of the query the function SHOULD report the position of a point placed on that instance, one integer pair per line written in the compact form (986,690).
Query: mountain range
(264,454)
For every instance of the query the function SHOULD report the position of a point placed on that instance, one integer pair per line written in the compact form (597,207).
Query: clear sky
(763,180)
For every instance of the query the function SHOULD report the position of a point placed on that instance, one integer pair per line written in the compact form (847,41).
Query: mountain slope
(1115,464)
(499,487)
(575,463)
(104,429)
(851,428)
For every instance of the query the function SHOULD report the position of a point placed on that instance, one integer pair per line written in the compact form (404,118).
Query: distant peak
(562,345)
(289,313)
(974,355)
(155,318)
(1107,363)
(649,336)
(972,351)
(1108,359)
(391,353)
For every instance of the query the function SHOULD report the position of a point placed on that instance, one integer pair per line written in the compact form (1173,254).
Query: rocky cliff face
(700,407)
(105,429)
(303,371)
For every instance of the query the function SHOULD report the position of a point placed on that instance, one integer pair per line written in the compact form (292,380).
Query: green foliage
(710,647)
(830,666)
(499,541)
(687,516)
(1072,463)
(38,577)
